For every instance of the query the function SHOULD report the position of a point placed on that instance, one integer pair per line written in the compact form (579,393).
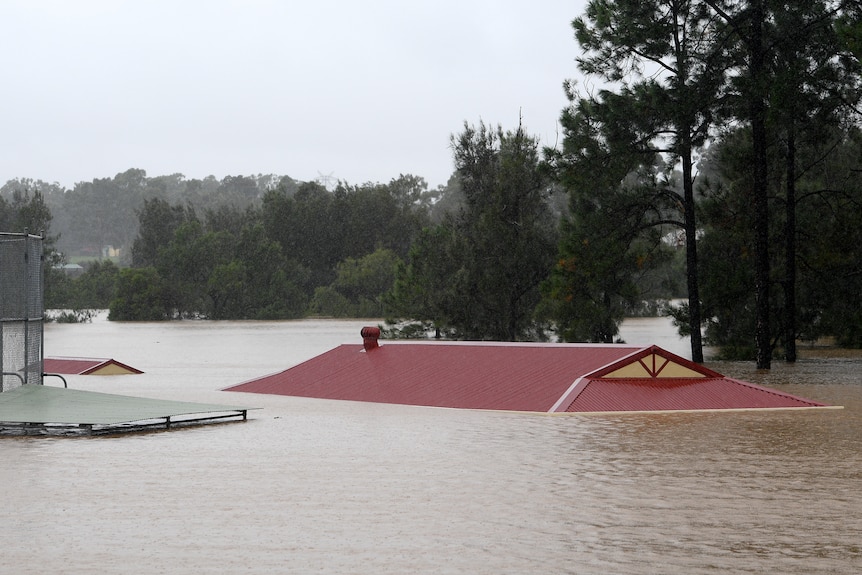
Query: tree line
(768,89)
(719,162)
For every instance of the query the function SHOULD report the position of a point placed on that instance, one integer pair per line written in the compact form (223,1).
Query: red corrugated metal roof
(518,377)
(656,362)
(85,366)
(678,394)
(475,375)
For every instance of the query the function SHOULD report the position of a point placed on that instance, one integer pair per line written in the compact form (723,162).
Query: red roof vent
(370,335)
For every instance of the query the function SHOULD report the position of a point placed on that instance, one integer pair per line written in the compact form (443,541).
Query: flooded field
(314,486)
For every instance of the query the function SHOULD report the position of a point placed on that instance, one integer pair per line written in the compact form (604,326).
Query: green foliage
(102,212)
(320,229)
(788,67)
(222,275)
(158,221)
(359,287)
(59,288)
(477,274)
(828,224)
(105,211)
(678,72)
(96,287)
(140,296)
(23,208)
(185,265)
(765,83)
(272,282)
(424,288)
(369,276)
(622,201)
(328,302)
(849,29)
(262,248)
(27,211)
(667,71)
(232,264)
(605,248)
(830,249)
(73,316)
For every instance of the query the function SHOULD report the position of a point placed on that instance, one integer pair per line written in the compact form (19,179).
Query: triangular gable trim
(571,394)
(653,363)
(111,367)
(87,366)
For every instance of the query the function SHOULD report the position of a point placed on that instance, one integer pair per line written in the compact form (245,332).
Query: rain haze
(350,91)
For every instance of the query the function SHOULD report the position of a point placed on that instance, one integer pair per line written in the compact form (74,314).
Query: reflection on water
(338,487)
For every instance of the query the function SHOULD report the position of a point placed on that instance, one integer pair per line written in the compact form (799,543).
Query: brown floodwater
(316,486)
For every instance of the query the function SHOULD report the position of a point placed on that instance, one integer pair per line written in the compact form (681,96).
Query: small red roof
(86,366)
(538,377)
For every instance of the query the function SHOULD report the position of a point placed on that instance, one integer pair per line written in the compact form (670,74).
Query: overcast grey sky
(361,91)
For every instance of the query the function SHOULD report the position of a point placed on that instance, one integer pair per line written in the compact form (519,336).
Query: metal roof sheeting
(45,404)
(505,376)
(679,394)
(86,366)
(532,377)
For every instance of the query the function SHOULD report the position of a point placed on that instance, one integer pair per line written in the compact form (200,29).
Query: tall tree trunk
(757,71)
(694,319)
(790,250)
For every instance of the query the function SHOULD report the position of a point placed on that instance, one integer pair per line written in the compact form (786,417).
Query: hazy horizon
(359,93)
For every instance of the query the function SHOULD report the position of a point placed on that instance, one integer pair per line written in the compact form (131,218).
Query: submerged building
(27,405)
(87,366)
(531,377)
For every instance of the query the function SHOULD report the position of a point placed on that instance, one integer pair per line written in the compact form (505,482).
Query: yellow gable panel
(654,365)
(673,369)
(111,369)
(635,369)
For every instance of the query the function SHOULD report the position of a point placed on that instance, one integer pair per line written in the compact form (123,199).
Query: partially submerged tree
(613,231)
(788,65)
(663,60)
(487,262)
(828,212)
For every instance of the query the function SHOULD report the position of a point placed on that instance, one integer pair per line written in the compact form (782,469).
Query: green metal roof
(45,404)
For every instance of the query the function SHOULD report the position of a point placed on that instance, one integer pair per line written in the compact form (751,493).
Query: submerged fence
(21,310)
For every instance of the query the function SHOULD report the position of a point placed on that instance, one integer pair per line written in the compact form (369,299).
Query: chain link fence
(21,310)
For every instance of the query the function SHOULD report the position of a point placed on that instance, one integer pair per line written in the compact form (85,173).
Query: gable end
(653,363)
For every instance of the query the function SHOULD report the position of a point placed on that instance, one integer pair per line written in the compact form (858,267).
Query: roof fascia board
(570,395)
